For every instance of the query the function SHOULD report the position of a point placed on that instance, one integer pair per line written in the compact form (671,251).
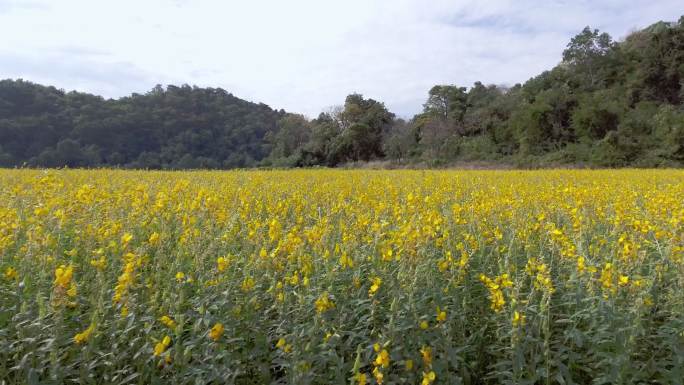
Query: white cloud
(301,55)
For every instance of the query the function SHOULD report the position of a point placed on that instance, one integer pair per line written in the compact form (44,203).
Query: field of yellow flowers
(342,277)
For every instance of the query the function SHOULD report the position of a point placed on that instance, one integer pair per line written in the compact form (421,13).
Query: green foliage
(287,141)
(447,102)
(606,104)
(352,133)
(595,116)
(588,54)
(175,127)
(401,142)
(669,130)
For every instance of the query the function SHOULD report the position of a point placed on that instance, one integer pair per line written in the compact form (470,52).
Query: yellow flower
(428,378)
(361,378)
(424,324)
(180,276)
(221,263)
(168,322)
(426,353)
(72,290)
(518,319)
(498,300)
(126,238)
(443,265)
(154,238)
(581,266)
(409,364)
(323,303)
(84,336)
(100,263)
(382,359)
(346,261)
(124,283)
(10,273)
(496,296)
(247,284)
(505,280)
(441,315)
(379,377)
(375,286)
(216,332)
(161,346)
(283,345)
(294,280)
(63,275)
(623,280)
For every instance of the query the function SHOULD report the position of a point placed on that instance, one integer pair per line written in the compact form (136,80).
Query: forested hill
(606,104)
(172,127)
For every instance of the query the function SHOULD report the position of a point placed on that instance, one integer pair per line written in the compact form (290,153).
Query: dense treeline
(176,127)
(605,104)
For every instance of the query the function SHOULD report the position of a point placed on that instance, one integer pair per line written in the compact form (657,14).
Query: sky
(303,56)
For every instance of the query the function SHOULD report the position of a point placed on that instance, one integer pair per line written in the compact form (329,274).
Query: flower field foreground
(342,277)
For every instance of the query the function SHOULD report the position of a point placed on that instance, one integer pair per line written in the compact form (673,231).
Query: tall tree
(447,102)
(588,52)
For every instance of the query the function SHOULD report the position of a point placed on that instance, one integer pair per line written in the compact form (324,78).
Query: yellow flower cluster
(64,287)
(221,263)
(168,322)
(11,273)
(324,303)
(63,275)
(541,274)
(375,286)
(429,375)
(125,282)
(382,361)
(283,345)
(216,331)
(495,287)
(160,347)
(84,336)
(316,265)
